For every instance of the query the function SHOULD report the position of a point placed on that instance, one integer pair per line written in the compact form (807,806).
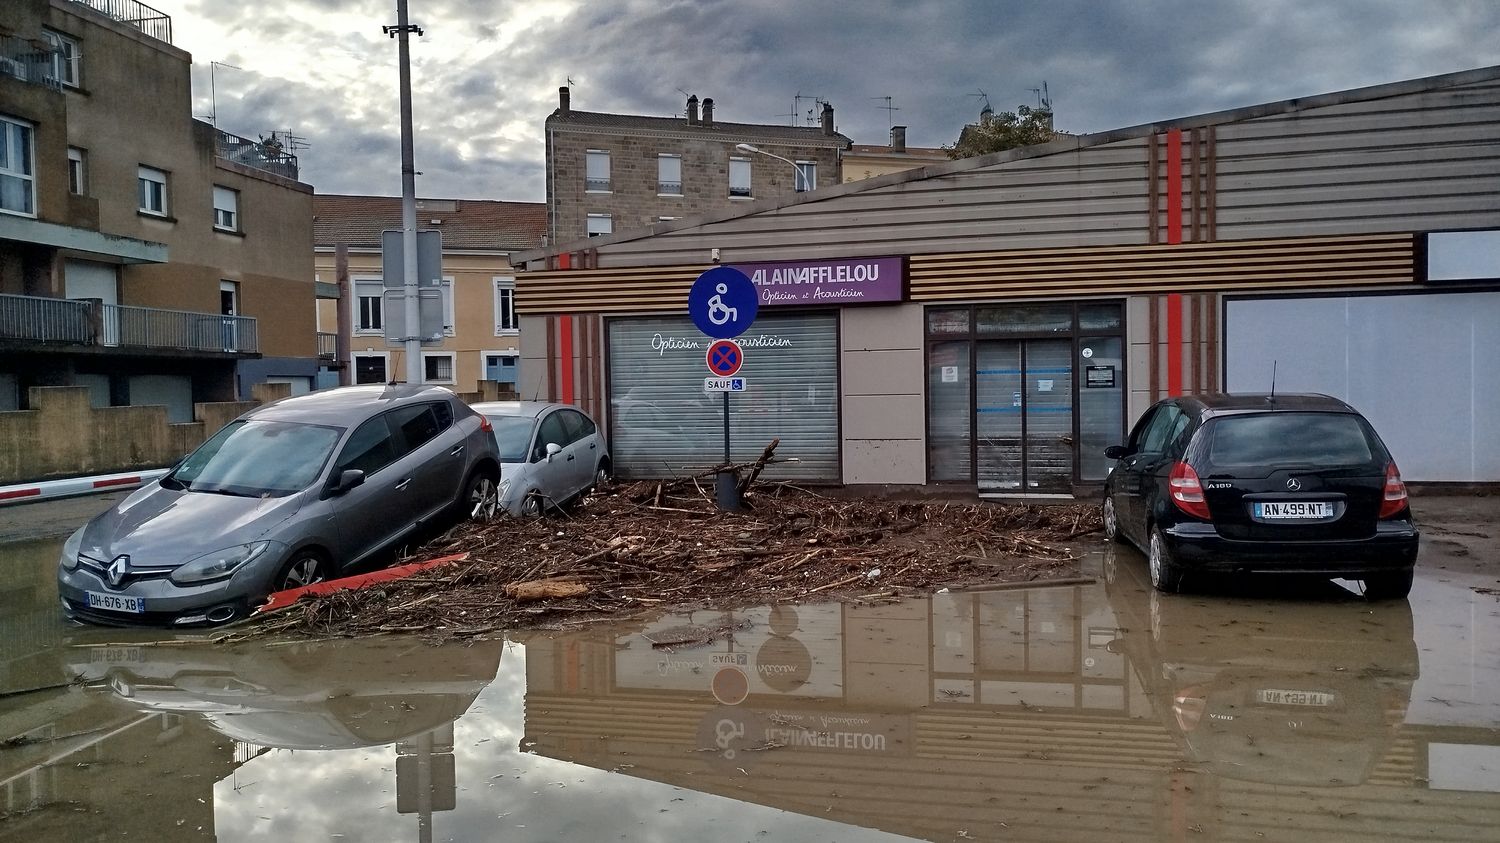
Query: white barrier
(73,486)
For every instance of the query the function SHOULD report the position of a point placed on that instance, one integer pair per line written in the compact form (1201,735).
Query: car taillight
(1394,499)
(484,424)
(1187,492)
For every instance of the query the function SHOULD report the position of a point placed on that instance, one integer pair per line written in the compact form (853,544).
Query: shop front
(1024,398)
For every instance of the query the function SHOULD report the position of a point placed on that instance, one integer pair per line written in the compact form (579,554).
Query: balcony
(90,323)
(328,345)
(266,155)
(29,61)
(135,14)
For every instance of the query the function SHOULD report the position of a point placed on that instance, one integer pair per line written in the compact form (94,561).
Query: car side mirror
(348,480)
(1115,452)
(553,449)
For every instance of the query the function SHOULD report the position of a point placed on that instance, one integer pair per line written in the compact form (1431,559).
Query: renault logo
(1293,484)
(118,569)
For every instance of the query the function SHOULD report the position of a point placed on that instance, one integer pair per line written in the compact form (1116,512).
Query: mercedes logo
(118,569)
(1293,484)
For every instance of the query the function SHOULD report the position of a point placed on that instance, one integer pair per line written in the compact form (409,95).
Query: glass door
(1023,416)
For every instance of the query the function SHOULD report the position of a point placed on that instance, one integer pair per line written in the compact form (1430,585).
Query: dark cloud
(486,73)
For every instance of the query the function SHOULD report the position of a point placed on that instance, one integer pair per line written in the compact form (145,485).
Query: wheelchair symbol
(720,313)
(725,731)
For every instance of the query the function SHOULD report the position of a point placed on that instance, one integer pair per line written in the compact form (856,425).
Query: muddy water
(1081,712)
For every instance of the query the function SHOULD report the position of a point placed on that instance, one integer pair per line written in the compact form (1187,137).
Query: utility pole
(401,32)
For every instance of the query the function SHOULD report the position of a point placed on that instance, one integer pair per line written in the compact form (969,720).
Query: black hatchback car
(1292,484)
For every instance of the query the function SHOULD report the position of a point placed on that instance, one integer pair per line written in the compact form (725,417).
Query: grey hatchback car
(289,494)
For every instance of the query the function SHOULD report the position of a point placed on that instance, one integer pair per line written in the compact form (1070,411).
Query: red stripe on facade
(565,260)
(117,481)
(19,493)
(565,358)
(1174,344)
(1174,187)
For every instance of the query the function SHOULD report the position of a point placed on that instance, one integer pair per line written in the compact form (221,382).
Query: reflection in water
(1056,713)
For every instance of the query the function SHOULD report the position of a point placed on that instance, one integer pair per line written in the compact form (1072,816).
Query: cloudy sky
(486,73)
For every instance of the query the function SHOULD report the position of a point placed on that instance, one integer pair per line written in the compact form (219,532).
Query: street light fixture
(799,179)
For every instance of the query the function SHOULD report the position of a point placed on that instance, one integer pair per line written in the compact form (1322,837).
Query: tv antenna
(213,90)
(812,113)
(1043,100)
(983,98)
(890,109)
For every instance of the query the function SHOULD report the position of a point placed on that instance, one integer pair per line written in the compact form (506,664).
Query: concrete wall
(63,436)
(884,409)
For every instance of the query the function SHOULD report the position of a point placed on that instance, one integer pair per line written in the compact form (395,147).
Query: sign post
(723,303)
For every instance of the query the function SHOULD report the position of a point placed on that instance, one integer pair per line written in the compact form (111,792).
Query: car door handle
(401,487)
(456,451)
(570,457)
(593,446)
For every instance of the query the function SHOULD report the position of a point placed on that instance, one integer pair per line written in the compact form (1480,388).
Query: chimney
(693,110)
(563,104)
(898,138)
(708,112)
(828,119)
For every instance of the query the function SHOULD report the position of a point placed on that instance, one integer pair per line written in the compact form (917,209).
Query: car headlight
(69,558)
(220,563)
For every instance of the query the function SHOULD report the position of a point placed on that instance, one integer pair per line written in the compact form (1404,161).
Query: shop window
(1012,319)
(1099,316)
(948,320)
(949,372)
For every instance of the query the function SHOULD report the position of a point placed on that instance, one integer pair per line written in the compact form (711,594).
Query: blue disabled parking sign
(723,302)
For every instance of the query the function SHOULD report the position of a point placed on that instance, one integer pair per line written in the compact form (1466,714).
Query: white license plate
(117,655)
(1277,696)
(1271,510)
(116,602)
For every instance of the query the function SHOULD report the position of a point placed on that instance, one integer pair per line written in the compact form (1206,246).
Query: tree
(1006,130)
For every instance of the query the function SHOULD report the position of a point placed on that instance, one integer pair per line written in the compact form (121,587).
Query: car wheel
(1166,574)
(1111,520)
(601,475)
(532,505)
(304,568)
(1395,585)
(482,500)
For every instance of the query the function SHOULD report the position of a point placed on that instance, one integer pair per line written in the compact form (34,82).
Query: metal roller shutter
(662,424)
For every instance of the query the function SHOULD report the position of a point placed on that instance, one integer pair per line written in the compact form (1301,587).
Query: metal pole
(726,429)
(727,482)
(408,204)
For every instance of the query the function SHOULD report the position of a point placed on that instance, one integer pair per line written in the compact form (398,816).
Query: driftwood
(557,587)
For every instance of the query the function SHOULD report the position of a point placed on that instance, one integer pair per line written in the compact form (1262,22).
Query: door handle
(593,445)
(401,487)
(570,457)
(1066,440)
(456,451)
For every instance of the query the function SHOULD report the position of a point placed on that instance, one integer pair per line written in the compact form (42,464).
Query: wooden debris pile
(649,545)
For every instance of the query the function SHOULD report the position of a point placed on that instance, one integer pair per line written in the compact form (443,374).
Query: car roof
(1223,403)
(348,405)
(523,409)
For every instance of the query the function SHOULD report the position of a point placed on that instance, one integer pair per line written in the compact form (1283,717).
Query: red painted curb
(282,599)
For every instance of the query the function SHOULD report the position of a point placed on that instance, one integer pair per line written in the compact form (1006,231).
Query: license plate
(116,602)
(1277,696)
(117,655)
(1272,510)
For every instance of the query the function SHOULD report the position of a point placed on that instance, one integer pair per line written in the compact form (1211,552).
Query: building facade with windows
(866,161)
(608,173)
(993,323)
(481,331)
(143,254)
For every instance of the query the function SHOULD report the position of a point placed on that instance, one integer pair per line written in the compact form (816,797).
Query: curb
(28,492)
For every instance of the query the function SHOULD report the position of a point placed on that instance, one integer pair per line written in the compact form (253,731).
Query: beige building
(143,254)
(866,161)
(481,333)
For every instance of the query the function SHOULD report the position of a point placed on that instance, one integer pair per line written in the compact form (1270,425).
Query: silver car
(289,494)
(550,454)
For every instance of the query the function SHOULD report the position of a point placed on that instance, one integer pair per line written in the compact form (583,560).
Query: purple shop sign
(841,281)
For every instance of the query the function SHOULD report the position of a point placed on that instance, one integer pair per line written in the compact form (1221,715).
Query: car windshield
(512,436)
(257,459)
(1273,439)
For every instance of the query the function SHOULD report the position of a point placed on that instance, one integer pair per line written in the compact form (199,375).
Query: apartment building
(481,335)
(616,172)
(866,161)
(144,254)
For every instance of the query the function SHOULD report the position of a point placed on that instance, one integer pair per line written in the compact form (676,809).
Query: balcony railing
(267,155)
(134,13)
(90,322)
(28,60)
(328,345)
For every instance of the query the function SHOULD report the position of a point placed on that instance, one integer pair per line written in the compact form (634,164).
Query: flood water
(1080,712)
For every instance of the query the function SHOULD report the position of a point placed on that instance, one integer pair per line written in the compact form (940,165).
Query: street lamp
(799,180)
